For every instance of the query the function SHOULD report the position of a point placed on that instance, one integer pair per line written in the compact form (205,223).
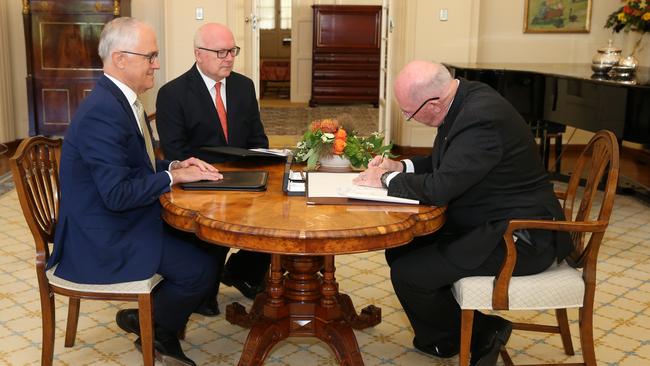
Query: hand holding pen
(385,163)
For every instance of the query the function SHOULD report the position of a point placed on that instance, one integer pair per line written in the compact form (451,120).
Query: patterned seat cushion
(560,286)
(133,287)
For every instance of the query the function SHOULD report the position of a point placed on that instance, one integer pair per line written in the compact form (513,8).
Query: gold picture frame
(557,16)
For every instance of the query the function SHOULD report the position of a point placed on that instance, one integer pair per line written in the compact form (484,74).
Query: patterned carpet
(6,183)
(622,320)
(295,120)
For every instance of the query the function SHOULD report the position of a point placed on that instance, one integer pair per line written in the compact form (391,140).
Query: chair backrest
(35,169)
(598,164)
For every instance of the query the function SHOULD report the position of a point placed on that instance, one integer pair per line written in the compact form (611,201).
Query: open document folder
(338,189)
(247,153)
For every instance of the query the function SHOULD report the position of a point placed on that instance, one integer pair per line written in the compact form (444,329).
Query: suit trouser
(189,275)
(422,279)
(243,264)
(249,266)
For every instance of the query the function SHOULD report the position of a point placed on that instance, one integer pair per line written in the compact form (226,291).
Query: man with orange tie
(211,105)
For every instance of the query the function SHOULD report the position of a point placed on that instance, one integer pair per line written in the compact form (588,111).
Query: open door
(385,82)
(252,34)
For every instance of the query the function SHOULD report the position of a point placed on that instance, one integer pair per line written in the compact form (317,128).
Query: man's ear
(118,60)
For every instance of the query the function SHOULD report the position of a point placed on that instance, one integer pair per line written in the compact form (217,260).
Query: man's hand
(386,164)
(370,177)
(193,162)
(193,170)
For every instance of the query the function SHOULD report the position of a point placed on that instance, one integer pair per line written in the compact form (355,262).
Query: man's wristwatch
(383,179)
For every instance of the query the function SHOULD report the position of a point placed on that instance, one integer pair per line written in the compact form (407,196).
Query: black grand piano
(571,95)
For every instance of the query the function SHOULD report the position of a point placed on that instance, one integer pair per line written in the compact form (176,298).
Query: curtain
(7,129)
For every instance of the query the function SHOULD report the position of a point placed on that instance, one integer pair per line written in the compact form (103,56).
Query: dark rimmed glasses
(151,57)
(420,107)
(223,53)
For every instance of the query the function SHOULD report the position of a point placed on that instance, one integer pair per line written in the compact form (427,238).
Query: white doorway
(300,51)
(385,79)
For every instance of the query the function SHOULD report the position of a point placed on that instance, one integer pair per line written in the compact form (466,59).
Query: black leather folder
(239,152)
(232,181)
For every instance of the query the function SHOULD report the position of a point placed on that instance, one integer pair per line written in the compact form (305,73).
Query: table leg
(302,303)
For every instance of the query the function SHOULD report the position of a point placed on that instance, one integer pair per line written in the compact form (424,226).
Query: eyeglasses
(420,107)
(223,53)
(152,57)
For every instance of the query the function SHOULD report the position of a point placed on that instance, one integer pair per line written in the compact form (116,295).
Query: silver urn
(606,58)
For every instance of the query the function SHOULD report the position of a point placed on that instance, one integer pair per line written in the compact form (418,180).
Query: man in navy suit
(485,169)
(109,228)
(211,105)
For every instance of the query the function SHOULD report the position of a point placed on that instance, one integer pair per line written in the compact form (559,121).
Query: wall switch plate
(444,15)
(199,13)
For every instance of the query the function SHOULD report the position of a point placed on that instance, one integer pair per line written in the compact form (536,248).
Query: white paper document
(293,186)
(278,152)
(297,175)
(339,185)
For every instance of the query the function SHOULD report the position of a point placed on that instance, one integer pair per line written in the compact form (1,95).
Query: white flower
(327,137)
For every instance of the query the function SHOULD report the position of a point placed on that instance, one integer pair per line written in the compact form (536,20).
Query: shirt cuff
(389,177)
(408,164)
(171,180)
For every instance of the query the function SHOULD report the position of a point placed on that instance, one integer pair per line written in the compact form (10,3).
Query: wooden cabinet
(345,63)
(61,39)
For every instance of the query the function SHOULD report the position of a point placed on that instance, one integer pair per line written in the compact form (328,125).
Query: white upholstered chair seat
(134,287)
(560,286)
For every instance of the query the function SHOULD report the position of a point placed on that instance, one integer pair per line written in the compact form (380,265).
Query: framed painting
(557,16)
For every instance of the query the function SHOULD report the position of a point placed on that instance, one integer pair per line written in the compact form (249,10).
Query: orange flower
(339,146)
(341,134)
(315,126)
(329,125)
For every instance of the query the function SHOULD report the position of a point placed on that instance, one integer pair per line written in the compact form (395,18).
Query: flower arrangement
(634,15)
(326,137)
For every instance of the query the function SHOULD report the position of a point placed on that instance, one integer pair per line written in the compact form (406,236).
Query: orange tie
(221,110)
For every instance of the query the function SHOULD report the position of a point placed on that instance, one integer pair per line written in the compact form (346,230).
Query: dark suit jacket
(484,166)
(109,227)
(187,119)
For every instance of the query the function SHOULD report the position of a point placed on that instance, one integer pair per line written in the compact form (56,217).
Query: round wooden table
(302,240)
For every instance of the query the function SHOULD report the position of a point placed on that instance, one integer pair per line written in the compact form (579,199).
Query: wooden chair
(35,168)
(151,119)
(570,284)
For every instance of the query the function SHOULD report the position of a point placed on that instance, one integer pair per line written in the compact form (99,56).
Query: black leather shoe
(247,288)
(209,307)
(169,352)
(487,342)
(443,349)
(128,320)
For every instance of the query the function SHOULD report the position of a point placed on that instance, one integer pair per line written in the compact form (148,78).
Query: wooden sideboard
(346,57)
(61,39)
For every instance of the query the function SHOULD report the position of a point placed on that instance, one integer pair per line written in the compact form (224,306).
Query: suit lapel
(133,123)
(198,88)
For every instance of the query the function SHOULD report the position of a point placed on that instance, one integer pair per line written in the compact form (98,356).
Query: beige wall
(19,68)
(477,30)
(179,28)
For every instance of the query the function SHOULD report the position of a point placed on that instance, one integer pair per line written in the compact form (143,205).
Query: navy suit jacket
(485,168)
(109,227)
(187,119)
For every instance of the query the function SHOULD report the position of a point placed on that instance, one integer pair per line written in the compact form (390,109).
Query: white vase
(334,163)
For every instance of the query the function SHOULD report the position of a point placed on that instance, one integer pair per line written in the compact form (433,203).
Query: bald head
(210,40)
(212,33)
(420,80)
(424,91)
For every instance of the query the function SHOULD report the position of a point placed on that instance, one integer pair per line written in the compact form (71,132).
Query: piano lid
(641,78)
